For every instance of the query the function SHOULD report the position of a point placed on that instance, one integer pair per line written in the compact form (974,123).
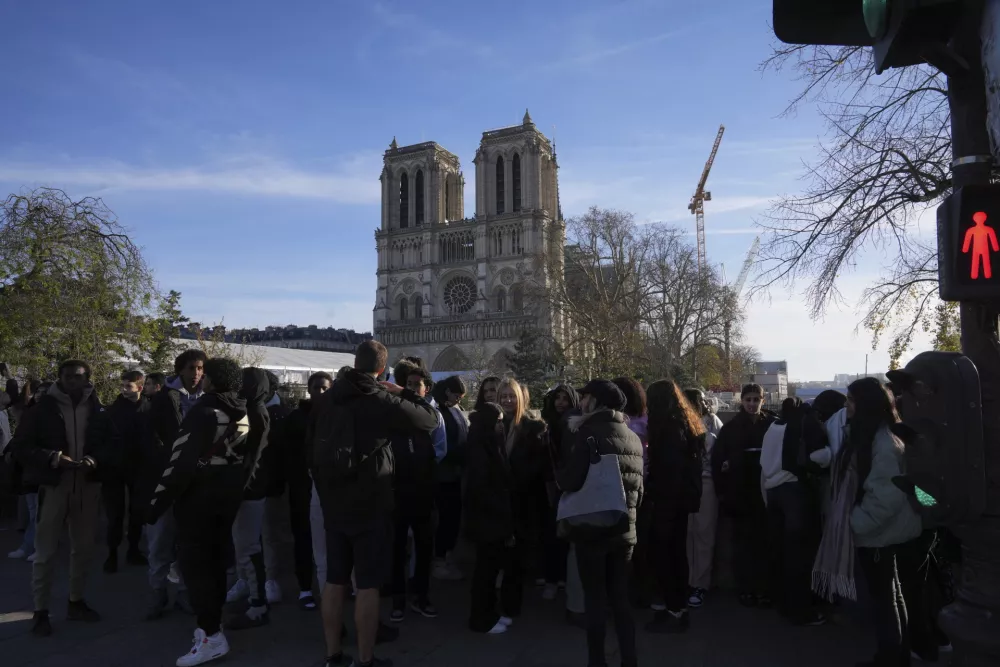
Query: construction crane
(697,205)
(737,288)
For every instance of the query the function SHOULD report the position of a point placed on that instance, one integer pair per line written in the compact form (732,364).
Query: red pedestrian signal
(980,239)
(968,245)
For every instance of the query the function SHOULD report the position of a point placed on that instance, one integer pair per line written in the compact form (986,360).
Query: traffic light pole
(973,620)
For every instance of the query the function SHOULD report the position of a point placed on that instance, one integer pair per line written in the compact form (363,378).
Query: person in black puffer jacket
(736,472)
(603,562)
(414,482)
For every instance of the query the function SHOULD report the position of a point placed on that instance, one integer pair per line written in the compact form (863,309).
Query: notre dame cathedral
(457,291)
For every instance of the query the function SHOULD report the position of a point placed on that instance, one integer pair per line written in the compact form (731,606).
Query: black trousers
(205,515)
(554,549)
(750,550)
(604,575)
(449,507)
(888,605)
(668,557)
(793,519)
(915,576)
(423,542)
(299,499)
(114,494)
(491,559)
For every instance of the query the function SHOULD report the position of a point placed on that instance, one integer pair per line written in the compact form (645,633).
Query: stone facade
(454,290)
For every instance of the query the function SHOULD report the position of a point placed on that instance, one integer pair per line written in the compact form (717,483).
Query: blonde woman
(507,459)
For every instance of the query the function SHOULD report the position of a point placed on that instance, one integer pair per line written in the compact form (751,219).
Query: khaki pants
(701,537)
(57,505)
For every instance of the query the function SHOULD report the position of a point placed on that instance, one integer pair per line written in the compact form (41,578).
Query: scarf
(833,571)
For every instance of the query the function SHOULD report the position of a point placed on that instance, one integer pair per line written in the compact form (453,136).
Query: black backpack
(331,439)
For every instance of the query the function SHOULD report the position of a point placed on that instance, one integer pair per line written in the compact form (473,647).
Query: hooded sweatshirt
(255,392)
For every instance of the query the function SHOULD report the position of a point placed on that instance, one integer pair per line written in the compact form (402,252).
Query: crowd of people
(380,479)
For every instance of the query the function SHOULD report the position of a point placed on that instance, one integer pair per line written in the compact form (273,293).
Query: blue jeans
(161,538)
(28,545)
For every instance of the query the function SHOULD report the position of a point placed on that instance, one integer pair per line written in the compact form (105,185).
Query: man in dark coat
(357,507)
(602,428)
(203,484)
(66,448)
(130,415)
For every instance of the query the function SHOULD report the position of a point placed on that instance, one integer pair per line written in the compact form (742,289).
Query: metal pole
(973,620)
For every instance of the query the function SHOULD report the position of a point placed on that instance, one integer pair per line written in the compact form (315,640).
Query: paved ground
(722,633)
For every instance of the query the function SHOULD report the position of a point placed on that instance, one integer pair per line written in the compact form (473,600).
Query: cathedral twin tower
(457,291)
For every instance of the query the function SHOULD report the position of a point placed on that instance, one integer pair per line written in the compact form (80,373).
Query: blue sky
(243,146)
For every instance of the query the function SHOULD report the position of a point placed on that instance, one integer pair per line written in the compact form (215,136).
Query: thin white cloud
(249,175)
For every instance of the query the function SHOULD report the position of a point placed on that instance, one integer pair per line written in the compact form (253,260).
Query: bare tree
(884,163)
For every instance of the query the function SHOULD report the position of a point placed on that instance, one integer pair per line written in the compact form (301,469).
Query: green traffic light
(924,498)
(876,14)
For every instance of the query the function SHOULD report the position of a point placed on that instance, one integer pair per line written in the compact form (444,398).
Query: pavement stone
(723,634)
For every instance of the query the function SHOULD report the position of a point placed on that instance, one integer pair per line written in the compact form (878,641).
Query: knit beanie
(225,374)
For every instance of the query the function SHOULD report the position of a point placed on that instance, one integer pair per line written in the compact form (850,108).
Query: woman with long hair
(676,444)
(488,388)
(702,525)
(448,395)
(559,402)
(871,518)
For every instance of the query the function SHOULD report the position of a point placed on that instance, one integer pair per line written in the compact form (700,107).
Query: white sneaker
(205,649)
(273,591)
(506,620)
(239,591)
(174,575)
(32,557)
(17,554)
(549,592)
(498,629)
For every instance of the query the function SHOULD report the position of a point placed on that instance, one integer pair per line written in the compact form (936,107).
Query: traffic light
(900,32)
(968,247)
(938,398)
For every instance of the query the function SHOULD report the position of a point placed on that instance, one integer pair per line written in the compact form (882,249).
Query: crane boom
(737,286)
(697,205)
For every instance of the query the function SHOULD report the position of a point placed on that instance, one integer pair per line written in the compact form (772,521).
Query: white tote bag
(598,509)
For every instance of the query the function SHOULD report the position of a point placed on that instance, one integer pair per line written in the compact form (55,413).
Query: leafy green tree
(159,347)
(947,327)
(72,285)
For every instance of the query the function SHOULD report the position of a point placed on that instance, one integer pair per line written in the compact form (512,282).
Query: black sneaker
(339,660)
(397,615)
(158,602)
(79,611)
(667,622)
(41,626)
(424,608)
(813,619)
(375,662)
(111,564)
(135,558)
(307,602)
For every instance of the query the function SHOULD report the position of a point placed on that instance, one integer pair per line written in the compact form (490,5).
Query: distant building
(844,379)
(771,367)
(289,337)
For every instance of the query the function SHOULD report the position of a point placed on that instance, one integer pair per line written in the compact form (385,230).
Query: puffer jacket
(884,516)
(610,429)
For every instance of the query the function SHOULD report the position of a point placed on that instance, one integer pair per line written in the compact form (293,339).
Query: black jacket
(739,444)
(557,422)
(215,428)
(42,436)
(163,423)
(277,449)
(260,464)
(377,416)
(610,429)
(131,419)
(415,472)
(674,484)
(489,486)
(295,454)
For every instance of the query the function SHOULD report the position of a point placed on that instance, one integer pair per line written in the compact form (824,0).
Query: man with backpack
(203,483)
(349,433)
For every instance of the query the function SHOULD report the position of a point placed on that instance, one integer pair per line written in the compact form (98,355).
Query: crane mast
(697,205)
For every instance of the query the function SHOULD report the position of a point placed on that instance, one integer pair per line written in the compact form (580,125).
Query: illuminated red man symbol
(981,238)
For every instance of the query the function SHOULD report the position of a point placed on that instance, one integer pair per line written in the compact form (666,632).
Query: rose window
(460,295)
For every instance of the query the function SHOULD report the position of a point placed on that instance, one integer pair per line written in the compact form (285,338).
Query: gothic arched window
(404,201)
(500,184)
(404,309)
(501,300)
(420,197)
(517,298)
(515,168)
(418,306)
